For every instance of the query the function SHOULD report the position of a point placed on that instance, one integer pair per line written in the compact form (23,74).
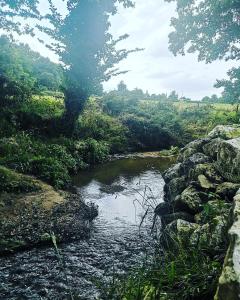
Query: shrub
(13,182)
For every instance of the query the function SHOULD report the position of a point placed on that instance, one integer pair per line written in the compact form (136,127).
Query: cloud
(156,69)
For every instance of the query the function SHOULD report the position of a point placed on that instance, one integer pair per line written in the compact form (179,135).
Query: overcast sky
(155,69)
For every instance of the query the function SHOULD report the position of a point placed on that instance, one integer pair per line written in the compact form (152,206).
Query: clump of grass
(181,274)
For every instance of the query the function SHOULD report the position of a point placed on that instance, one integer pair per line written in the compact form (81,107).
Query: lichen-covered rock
(211,237)
(227,190)
(190,200)
(192,148)
(172,173)
(211,148)
(174,188)
(212,209)
(208,170)
(205,183)
(190,163)
(225,132)
(177,234)
(228,160)
(168,218)
(229,281)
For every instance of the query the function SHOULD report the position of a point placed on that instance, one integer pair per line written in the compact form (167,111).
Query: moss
(13,182)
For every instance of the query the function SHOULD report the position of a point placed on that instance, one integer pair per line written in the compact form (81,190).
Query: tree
(122,87)
(231,87)
(211,28)
(87,50)
(173,96)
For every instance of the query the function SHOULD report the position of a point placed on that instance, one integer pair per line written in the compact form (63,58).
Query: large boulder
(190,200)
(212,236)
(168,218)
(208,170)
(228,160)
(192,148)
(190,163)
(225,132)
(174,188)
(177,234)
(171,173)
(229,281)
(211,149)
(227,190)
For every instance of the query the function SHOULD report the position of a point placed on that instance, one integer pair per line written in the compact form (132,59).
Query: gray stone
(174,188)
(163,208)
(211,148)
(190,200)
(208,170)
(166,219)
(172,173)
(227,190)
(228,160)
(192,148)
(189,164)
(205,183)
(177,234)
(225,132)
(229,281)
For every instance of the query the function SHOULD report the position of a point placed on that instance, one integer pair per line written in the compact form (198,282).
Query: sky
(155,69)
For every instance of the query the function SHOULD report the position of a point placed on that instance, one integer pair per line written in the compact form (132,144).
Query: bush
(49,162)
(51,170)
(93,151)
(13,182)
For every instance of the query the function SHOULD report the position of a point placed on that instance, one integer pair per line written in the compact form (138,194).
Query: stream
(126,192)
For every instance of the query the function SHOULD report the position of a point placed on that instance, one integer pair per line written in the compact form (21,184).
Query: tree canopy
(11,11)
(211,28)
(86,48)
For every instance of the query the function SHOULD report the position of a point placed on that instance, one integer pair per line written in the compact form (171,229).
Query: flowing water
(126,192)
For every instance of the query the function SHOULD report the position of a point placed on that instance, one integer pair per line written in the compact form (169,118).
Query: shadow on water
(123,190)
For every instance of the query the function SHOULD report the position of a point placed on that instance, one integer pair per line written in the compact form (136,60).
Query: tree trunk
(73,108)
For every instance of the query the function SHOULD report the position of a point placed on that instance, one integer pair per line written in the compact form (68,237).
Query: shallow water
(124,191)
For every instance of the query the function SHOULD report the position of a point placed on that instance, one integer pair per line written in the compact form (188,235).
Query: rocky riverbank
(31,212)
(201,204)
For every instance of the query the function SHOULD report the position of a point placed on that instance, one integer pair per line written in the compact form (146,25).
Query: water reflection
(123,190)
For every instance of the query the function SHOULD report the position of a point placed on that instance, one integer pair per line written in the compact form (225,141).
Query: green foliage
(96,124)
(185,274)
(23,72)
(88,50)
(231,87)
(46,107)
(13,182)
(26,154)
(93,151)
(211,28)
